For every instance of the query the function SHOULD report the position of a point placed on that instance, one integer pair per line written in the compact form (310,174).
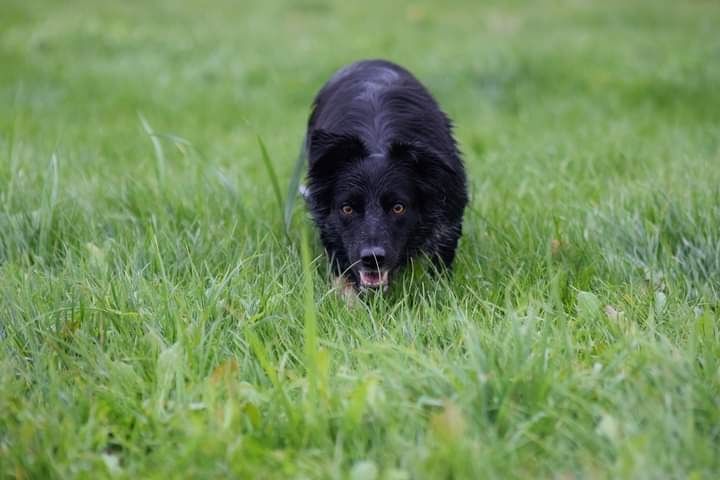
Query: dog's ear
(327,151)
(327,154)
(436,176)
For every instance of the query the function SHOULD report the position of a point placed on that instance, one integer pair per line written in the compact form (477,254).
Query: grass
(157,322)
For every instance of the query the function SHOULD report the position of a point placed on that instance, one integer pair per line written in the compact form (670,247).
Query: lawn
(156,321)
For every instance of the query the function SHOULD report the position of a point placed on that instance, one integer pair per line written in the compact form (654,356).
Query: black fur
(377,139)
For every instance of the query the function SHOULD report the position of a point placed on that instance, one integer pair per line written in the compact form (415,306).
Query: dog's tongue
(373,278)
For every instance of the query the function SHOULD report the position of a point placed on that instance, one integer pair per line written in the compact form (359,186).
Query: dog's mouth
(373,278)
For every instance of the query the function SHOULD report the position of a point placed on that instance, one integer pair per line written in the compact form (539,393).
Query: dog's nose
(372,257)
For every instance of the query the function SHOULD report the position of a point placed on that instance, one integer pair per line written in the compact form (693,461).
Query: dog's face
(369,207)
(374,211)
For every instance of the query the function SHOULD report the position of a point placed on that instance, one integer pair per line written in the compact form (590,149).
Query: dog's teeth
(374,279)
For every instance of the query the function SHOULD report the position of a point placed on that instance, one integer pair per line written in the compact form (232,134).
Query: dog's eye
(346,209)
(398,209)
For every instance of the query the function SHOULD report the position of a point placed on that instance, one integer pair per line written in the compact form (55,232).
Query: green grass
(157,322)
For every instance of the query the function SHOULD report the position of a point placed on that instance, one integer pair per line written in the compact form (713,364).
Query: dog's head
(372,209)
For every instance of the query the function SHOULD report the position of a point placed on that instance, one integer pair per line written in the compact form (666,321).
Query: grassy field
(156,322)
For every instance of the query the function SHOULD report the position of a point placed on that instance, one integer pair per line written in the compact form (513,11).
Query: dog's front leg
(346,289)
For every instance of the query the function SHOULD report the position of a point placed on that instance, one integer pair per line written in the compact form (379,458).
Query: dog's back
(382,103)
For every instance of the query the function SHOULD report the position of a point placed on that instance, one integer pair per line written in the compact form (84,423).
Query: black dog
(385,178)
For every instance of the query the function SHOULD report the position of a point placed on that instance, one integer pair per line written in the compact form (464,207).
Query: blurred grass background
(154,320)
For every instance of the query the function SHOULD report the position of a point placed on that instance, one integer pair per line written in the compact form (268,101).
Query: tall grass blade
(293,185)
(310,327)
(264,360)
(157,146)
(271,172)
(48,210)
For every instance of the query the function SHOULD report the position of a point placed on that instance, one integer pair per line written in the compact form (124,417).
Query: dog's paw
(346,290)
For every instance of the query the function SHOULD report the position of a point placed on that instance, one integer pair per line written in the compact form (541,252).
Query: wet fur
(376,133)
